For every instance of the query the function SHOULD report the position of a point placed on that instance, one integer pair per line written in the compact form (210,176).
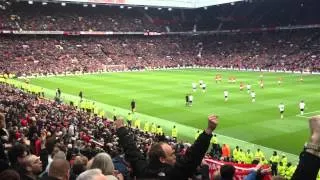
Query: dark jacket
(183,168)
(308,167)
(3,155)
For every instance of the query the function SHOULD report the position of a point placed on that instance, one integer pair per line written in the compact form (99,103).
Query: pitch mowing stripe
(184,131)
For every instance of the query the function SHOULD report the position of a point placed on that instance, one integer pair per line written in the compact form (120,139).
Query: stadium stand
(294,51)
(254,14)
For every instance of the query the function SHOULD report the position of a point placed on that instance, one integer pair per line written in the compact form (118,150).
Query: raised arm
(309,163)
(132,153)
(187,165)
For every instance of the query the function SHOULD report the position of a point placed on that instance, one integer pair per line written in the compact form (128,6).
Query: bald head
(60,155)
(59,168)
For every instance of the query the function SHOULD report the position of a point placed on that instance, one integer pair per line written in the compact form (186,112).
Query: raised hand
(212,123)
(119,123)
(314,125)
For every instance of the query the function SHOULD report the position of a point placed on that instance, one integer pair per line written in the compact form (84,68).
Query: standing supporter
(32,167)
(174,132)
(309,163)
(162,159)
(226,151)
(59,170)
(274,159)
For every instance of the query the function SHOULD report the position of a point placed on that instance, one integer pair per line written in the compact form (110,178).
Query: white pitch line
(312,112)
(302,116)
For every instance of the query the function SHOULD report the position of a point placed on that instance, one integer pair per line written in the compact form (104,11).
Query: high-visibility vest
(259,155)
(241,156)
(249,157)
(137,124)
(129,117)
(284,160)
(146,127)
(95,109)
(264,161)
(214,140)
(235,154)
(281,170)
(159,131)
(275,159)
(289,172)
(174,132)
(102,114)
(153,128)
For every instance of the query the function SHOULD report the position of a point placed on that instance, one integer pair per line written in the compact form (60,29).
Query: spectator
(162,159)
(57,155)
(309,163)
(227,172)
(92,174)
(59,170)
(32,168)
(9,175)
(4,137)
(103,162)
(17,155)
(79,166)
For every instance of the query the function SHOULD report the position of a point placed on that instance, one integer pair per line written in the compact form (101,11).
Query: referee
(133,105)
(187,99)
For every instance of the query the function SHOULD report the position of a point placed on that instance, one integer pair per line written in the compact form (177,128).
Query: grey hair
(89,174)
(60,155)
(103,162)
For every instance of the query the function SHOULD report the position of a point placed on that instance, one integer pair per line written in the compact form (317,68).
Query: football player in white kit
(302,105)
(200,83)
(281,109)
(253,96)
(190,99)
(204,86)
(194,87)
(226,94)
(248,88)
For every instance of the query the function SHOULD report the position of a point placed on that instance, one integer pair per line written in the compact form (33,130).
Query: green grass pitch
(161,94)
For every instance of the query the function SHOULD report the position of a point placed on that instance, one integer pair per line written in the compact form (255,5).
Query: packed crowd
(57,131)
(43,139)
(76,18)
(291,51)
(253,14)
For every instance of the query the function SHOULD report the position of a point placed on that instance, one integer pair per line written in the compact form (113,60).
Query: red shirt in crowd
(37,147)
(24,122)
(18,135)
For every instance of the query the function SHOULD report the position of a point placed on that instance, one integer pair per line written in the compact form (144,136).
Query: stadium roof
(149,3)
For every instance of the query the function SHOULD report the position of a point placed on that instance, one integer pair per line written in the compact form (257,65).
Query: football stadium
(130,89)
